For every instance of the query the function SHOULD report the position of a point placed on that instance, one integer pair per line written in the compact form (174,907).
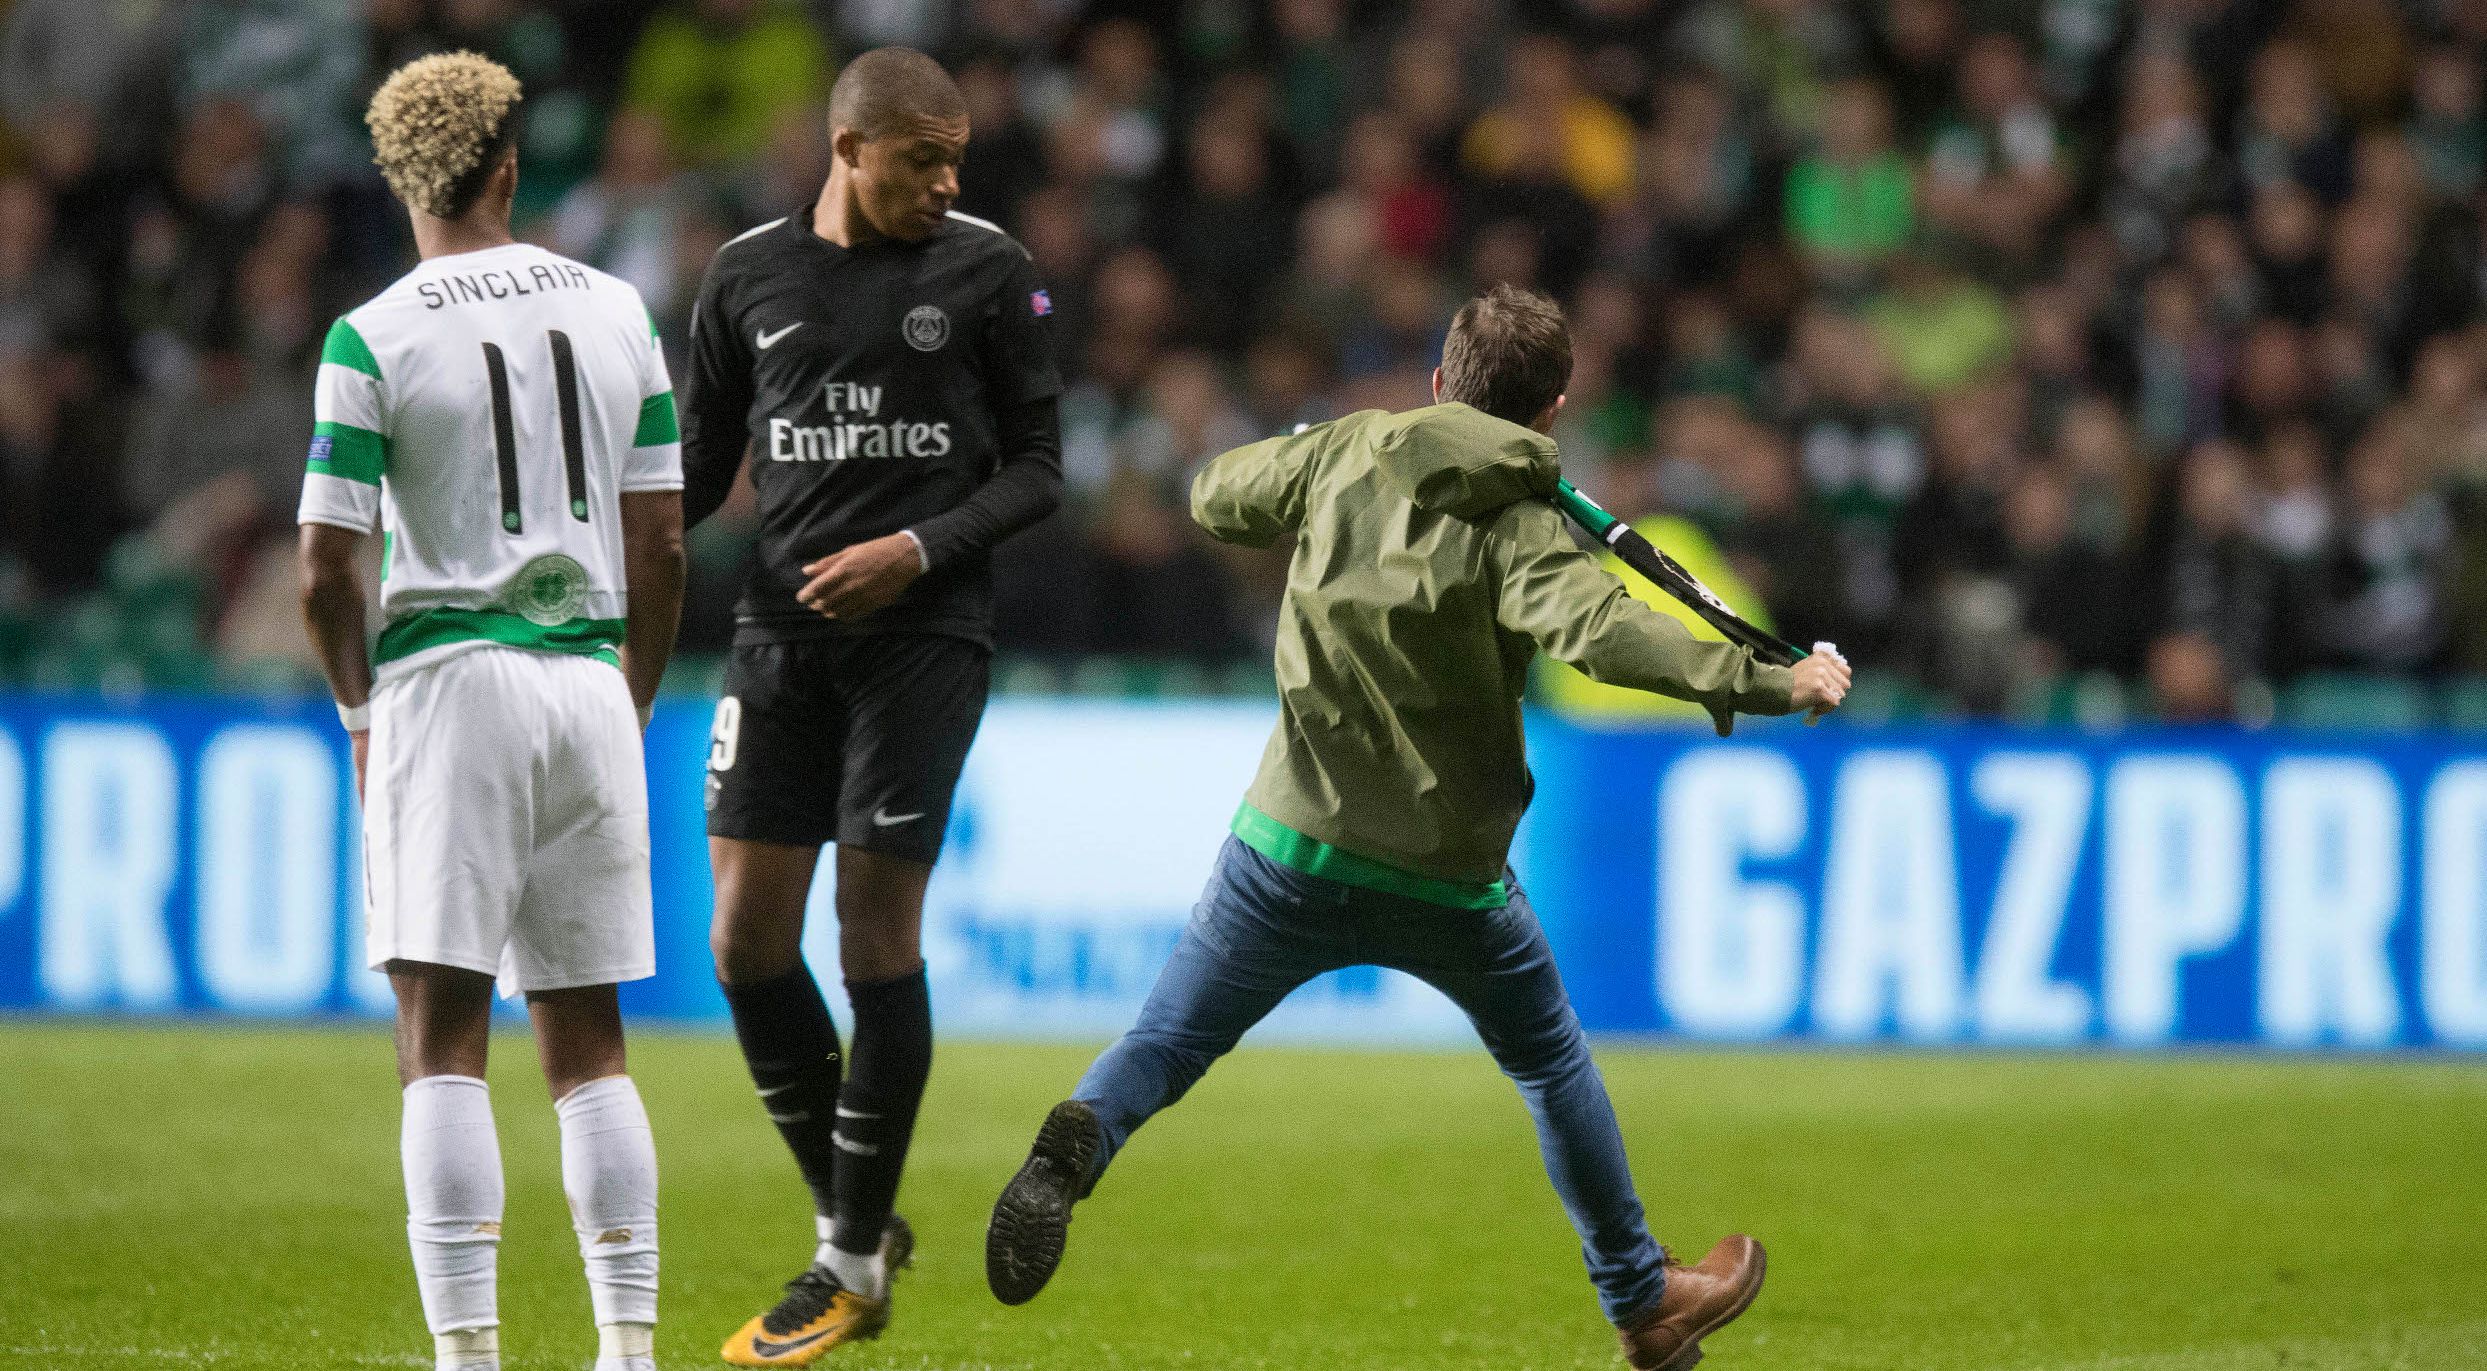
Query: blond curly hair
(439,124)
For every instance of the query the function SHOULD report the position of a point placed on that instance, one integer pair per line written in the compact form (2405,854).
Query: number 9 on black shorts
(855,740)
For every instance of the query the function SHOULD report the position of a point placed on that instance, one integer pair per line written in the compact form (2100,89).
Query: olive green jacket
(1428,571)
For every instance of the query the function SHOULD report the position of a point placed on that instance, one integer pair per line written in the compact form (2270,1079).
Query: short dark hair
(886,90)
(1509,354)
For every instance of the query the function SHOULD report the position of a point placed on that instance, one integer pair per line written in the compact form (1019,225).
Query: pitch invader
(888,368)
(1429,569)
(504,414)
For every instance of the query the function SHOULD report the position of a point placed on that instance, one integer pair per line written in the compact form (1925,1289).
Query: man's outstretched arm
(1580,614)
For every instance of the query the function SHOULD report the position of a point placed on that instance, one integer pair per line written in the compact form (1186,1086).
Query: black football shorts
(855,740)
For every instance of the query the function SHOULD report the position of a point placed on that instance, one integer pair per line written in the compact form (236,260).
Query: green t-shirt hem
(1314,857)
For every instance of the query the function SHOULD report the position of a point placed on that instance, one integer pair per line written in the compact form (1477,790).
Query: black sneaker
(1023,1244)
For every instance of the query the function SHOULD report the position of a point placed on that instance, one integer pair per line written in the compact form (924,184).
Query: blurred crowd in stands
(2002,341)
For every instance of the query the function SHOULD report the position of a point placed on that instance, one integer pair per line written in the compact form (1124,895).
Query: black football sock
(876,1108)
(791,1046)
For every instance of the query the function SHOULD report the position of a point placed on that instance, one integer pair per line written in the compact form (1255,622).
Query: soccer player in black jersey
(888,367)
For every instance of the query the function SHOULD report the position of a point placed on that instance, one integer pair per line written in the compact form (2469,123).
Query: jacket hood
(1463,462)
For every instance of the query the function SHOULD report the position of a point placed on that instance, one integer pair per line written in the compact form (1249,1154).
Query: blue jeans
(1263,929)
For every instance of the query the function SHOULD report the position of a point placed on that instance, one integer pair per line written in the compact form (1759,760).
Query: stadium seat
(2339,700)
(1885,698)
(1164,678)
(1015,675)
(274,677)
(188,672)
(1109,676)
(16,637)
(1249,680)
(2464,705)
(700,676)
(2095,701)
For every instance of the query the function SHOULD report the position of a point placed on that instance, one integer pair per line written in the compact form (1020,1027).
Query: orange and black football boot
(818,1314)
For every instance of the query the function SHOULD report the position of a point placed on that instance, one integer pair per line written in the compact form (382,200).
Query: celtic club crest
(926,328)
(551,590)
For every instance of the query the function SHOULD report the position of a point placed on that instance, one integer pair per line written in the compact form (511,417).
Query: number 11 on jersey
(505,434)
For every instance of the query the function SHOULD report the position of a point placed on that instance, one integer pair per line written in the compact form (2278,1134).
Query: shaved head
(892,91)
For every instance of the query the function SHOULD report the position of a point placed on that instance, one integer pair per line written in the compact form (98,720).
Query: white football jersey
(487,412)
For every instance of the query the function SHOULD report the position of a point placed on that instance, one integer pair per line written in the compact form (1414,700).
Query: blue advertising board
(1963,885)
(1938,886)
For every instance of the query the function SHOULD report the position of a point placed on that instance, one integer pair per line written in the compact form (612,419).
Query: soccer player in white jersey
(504,416)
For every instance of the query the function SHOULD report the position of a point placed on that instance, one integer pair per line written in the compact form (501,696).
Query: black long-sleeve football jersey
(890,386)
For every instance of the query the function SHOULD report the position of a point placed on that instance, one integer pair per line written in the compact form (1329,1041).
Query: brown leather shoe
(1699,1300)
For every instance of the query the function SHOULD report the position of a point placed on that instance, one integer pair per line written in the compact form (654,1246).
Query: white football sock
(608,1169)
(453,1213)
(473,1349)
(860,1274)
(626,1347)
(864,1275)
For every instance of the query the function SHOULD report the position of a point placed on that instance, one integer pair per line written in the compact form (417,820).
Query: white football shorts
(505,825)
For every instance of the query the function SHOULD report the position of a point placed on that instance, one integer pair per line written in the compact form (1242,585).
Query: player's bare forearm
(654,569)
(333,609)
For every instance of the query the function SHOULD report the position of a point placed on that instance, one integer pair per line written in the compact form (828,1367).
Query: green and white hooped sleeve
(349,441)
(655,460)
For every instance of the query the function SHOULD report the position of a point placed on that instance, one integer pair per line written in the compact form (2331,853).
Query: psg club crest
(926,328)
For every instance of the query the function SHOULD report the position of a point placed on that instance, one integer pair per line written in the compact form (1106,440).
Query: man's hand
(1821,683)
(852,582)
(362,758)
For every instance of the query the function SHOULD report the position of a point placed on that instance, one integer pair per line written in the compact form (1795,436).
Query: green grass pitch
(229,1197)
